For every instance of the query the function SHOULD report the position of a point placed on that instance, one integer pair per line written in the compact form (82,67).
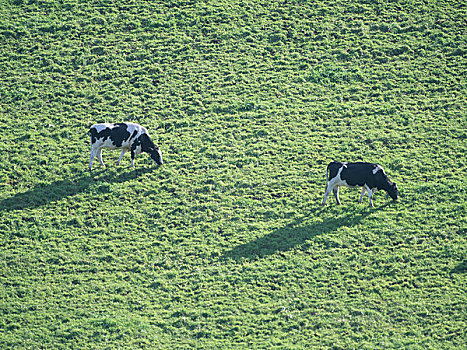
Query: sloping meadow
(227,245)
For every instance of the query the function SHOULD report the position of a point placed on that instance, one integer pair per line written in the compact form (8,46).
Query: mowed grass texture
(227,245)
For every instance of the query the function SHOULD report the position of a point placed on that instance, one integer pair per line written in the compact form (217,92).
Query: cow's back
(361,173)
(113,136)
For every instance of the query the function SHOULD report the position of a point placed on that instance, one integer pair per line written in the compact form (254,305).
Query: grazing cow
(370,177)
(125,136)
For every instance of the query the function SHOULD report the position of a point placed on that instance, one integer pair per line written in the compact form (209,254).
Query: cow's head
(148,146)
(156,155)
(392,191)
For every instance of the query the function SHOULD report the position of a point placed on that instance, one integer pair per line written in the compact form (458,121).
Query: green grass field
(227,245)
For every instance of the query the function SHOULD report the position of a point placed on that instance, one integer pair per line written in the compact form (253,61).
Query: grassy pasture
(227,245)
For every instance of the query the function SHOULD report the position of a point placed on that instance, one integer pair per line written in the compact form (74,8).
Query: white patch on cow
(102,126)
(377,168)
(138,149)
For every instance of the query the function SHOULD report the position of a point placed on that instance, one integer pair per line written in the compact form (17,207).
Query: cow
(125,136)
(371,177)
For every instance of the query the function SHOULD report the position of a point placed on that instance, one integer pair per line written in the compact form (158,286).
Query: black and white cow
(371,177)
(125,136)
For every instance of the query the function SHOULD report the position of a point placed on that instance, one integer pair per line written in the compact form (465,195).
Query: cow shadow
(296,234)
(43,194)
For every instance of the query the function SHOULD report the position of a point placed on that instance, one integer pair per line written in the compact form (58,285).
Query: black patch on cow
(134,134)
(135,144)
(360,174)
(119,133)
(104,133)
(146,143)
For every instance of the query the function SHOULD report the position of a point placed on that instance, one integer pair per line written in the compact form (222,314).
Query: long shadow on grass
(296,234)
(46,193)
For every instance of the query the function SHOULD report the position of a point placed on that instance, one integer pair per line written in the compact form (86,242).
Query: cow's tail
(327,176)
(89,133)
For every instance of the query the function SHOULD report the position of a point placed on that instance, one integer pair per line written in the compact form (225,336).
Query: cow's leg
(326,194)
(93,155)
(329,188)
(370,196)
(133,155)
(99,155)
(121,156)
(332,186)
(362,195)
(336,194)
